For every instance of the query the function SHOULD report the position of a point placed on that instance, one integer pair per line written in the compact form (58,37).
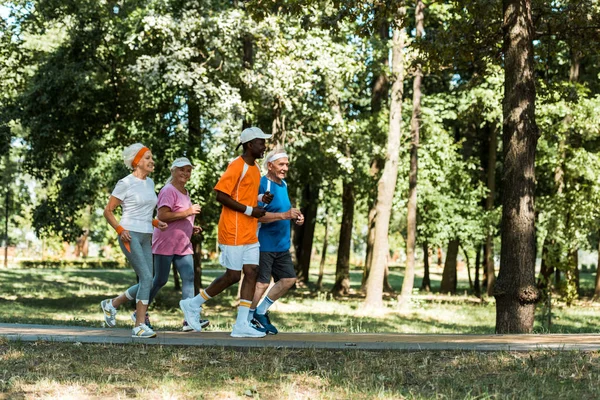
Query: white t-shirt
(138,201)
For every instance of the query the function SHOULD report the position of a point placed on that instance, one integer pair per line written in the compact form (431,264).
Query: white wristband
(248,211)
(260,197)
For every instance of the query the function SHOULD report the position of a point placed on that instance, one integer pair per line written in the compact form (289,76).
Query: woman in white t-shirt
(135,194)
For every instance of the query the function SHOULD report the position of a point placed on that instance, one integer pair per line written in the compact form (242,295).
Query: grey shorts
(279,264)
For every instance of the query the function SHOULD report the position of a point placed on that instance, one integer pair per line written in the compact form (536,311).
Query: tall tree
(411,220)
(387,183)
(515,290)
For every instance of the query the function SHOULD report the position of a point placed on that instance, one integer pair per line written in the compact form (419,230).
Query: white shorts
(235,257)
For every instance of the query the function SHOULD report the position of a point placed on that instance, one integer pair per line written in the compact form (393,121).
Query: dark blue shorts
(278,264)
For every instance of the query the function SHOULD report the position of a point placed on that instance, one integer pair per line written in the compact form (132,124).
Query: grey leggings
(140,259)
(162,269)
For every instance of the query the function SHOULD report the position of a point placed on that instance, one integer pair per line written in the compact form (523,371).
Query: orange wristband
(155,223)
(119,229)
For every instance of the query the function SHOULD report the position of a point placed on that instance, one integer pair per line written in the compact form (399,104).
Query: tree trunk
(305,233)
(324,251)
(379,93)
(426,283)
(370,239)
(546,269)
(476,284)
(597,286)
(411,219)
(439,257)
(197,246)
(468,263)
(195,141)
(341,287)
(387,183)
(247,63)
(515,289)
(449,275)
(490,273)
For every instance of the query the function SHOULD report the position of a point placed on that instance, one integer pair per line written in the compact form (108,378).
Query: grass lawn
(76,371)
(72,297)
(72,371)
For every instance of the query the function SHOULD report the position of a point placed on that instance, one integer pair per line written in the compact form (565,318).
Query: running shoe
(191,314)
(187,328)
(265,322)
(110,313)
(143,332)
(146,320)
(247,329)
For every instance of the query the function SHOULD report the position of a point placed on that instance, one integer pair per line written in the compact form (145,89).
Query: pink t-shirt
(176,238)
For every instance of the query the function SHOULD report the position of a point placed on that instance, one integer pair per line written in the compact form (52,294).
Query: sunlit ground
(72,297)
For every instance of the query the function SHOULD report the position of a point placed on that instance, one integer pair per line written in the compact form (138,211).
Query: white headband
(277,157)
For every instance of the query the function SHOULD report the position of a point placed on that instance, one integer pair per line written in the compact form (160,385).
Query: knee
(262,286)
(251,272)
(288,282)
(232,276)
(160,281)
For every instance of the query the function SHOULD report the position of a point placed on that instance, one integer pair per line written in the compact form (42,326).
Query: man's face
(257,147)
(279,167)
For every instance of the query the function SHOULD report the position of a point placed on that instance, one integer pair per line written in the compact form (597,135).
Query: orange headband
(139,156)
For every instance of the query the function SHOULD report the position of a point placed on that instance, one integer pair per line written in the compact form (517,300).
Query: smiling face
(279,168)
(257,148)
(146,163)
(181,175)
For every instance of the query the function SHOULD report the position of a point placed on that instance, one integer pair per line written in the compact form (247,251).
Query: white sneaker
(110,313)
(246,329)
(191,314)
(142,331)
(187,328)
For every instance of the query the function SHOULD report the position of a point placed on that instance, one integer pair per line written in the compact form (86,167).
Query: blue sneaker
(265,322)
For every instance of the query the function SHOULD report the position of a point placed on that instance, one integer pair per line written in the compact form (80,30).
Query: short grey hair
(130,152)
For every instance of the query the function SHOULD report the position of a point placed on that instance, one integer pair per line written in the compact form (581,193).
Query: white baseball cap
(253,133)
(181,162)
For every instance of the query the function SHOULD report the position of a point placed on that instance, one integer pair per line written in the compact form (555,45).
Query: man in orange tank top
(237,191)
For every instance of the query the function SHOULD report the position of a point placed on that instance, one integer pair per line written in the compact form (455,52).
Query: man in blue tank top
(274,238)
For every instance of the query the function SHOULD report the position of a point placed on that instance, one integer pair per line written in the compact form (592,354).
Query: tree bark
(426,283)
(411,218)
(387,183)
(324,251)
(379,93)
(597,286)
(194,140)
(247,63)
(490,273)
(476,284)
(305,233)
(370,239)
(515,290)
(341,287)
(546,269)
(449,281)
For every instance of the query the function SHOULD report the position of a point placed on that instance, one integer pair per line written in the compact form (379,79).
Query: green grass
(60,370)
(72,297)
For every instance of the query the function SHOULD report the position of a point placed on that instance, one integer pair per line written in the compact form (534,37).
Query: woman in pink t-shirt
(173,245)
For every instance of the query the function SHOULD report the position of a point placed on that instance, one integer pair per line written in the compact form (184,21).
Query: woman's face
(182,174)
(146,164)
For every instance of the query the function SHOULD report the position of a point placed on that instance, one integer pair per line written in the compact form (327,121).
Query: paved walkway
(363,341)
